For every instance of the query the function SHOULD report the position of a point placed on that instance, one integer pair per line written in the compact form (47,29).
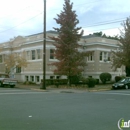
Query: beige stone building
(97,62)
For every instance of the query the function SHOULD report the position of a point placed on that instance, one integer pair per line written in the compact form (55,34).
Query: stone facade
(97,62)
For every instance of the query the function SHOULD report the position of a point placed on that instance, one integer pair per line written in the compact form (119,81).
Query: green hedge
(56,81)
(91,82)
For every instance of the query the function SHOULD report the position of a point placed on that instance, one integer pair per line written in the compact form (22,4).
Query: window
(57,77)
(28,55)
(38,54)
(109,57)
(100,56)
(18,69)
(32,78)
(37,79)
(1,59)
(26,78)
(90,57)
(51,53)
(104,56)
(52,77)
(33,55)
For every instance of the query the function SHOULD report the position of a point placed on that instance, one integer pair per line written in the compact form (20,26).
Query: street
(22,109)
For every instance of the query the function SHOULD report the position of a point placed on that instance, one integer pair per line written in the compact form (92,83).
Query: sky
(25,17)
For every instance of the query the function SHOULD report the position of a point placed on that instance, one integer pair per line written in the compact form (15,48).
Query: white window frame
(104,56)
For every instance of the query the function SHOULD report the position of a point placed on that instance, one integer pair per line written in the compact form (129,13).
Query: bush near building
(91,82)
(104,77)
(118,78)
(75,80)
(56,82)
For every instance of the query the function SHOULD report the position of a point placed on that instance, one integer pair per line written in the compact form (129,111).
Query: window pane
(18,69)
(1,59)
(26,78)
(28,55)
(33,55)
(100,56)
(38,54)
(108,56)
(32,78)
(51,53)
(105,55)
(37,79)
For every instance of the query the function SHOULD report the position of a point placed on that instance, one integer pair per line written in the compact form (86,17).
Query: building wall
(34,71)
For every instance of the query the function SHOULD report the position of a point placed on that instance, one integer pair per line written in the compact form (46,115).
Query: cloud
(19,17)
(118,6)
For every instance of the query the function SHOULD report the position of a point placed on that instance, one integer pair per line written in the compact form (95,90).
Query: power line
(103,29)
(106,22)
(21,23)
(88,3)
(85,26)
(78,5)
(16,11)
(103,24)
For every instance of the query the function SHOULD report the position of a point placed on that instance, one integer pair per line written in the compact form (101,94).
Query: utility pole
(44,48)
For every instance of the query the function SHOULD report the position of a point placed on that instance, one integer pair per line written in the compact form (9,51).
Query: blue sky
(19,17)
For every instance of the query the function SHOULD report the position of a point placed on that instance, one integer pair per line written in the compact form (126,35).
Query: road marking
(121,91)
(110,99)
(20,93)
(13,90)
(125,94)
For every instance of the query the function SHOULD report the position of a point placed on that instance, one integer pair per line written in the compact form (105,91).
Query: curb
(39,90)
(99,90)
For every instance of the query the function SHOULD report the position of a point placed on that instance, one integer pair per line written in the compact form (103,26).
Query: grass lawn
(84,87)
(101,87)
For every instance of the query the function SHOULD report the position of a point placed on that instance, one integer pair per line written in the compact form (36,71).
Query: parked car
(6,80)
(123,83)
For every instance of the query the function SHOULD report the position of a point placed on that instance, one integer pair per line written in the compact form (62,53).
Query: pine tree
(122,56)
(70,60)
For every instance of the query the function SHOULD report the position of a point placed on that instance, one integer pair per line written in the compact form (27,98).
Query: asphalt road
(32,110)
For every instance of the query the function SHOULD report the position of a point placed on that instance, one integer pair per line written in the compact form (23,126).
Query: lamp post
(44,48)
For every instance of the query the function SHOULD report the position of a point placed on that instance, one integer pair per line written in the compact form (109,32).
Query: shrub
(97,81)
(29,82)
(56,82)
(117,78)
(104,77)
(75,79)
(83,81)
(91,82)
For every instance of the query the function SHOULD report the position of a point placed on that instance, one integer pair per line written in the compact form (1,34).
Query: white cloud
(119,6)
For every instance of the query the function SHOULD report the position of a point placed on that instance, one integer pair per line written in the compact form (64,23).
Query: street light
(44,48)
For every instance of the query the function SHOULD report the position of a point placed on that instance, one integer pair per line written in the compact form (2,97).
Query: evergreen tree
(70,60)
(122,56)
